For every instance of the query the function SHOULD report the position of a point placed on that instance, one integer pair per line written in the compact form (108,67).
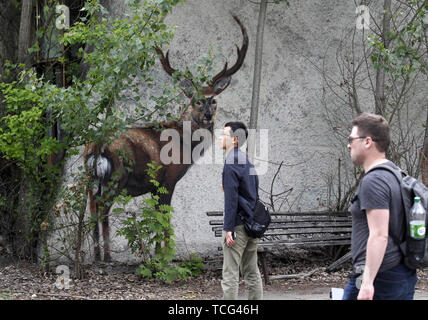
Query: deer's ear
(221,84)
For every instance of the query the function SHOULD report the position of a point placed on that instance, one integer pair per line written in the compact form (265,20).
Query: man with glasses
(377,216)
(240,194)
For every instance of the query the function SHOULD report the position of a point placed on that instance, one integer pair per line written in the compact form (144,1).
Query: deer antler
(241,56)
(187,83)
(165,61)
(221,80)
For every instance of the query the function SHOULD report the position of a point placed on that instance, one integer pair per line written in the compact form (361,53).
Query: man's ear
(369,143)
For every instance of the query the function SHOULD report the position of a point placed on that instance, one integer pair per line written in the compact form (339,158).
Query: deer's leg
(93,209)
(106,233)
(97,251)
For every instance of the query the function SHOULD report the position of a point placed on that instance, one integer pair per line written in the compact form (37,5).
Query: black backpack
(410,188)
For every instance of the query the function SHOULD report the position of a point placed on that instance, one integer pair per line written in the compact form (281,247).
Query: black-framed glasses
(351,139)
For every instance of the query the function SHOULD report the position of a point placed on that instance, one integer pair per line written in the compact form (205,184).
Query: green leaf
(118,210)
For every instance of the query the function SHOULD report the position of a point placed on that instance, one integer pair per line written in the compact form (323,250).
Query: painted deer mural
(143,145)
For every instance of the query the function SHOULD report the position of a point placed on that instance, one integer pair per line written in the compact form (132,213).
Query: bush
(147,231)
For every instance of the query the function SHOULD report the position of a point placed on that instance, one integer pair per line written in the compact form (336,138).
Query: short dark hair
(376,127)
(238,129)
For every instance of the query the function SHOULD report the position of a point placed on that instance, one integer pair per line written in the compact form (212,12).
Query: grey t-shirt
(378,189)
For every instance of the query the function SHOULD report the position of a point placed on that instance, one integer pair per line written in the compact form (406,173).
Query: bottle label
(417,229)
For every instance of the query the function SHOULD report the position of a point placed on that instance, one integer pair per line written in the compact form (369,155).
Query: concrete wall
(298,40)
(289,99)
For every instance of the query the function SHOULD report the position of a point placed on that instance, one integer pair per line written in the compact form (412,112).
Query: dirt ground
(114,281)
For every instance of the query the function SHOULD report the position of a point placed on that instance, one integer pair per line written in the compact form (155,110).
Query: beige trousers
(242,254)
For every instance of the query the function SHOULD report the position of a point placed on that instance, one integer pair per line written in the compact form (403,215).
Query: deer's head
(204,107)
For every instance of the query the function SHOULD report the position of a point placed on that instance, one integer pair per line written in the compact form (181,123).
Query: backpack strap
(399,175)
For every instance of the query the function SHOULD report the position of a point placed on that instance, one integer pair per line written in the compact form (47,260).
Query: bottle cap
(417,199)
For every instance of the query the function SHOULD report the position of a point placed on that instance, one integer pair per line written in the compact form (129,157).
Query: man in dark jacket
(240,184)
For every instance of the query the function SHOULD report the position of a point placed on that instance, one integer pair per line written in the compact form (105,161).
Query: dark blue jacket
(240,185)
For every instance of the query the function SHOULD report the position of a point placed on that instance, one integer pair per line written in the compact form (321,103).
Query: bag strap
(257,198)
(257,187)
(399,175)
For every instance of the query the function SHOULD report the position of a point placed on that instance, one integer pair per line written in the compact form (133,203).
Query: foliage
(194,264)
(24,129)
(120,56)
(402,56)
(31,105)
(121,59)
(147,231)
(145,234)
(69,221)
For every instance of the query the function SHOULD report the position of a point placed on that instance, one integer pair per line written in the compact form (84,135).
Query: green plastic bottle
(417,229)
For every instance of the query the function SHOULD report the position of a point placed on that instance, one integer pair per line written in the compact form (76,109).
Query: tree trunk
(257,77)
(11,223)
(423,159)
(9,28)
(24,42)
(380,102)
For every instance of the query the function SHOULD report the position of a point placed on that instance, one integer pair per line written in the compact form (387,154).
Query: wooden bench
(304,229)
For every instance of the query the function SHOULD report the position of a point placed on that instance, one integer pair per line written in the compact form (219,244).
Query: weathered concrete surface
(298,40)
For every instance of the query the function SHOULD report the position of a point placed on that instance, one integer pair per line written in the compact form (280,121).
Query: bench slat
(308,243)
(310,219)
(310,231)
(310,214)
(280,214)
(218,233)
(297,220)
(289,230)
(309,239)
(303,225)
(214,213)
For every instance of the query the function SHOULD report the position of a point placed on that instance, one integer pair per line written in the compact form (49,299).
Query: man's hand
(229,239)
(366,292)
